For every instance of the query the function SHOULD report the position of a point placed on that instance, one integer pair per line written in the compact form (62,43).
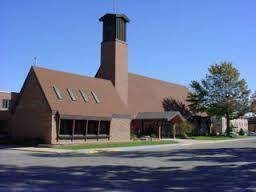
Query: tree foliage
(186,129)
(253,103)
(170,104)
(220,93)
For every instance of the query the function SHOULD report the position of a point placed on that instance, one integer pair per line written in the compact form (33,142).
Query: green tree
(170,104)
(220,93)
(253,103)
(186,129)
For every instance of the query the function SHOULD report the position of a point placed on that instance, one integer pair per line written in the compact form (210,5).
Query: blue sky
(172,40)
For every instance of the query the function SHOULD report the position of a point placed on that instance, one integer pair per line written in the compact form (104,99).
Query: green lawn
(216,138)
(112,145)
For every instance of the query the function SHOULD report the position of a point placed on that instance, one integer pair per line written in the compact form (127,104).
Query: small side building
(219,126)
(7,101)
(252,124)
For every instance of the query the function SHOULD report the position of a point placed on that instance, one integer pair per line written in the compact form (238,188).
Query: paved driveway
(227,166)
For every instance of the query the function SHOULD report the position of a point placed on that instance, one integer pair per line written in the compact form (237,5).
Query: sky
(171,40)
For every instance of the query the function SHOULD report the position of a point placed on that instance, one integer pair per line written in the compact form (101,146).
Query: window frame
(84,96)
(63,125)
(95,97)
(71,94)
(81,126)
(106,125)
(95,128)
(58,93)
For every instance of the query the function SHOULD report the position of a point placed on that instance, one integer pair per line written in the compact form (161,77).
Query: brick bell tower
(114,53)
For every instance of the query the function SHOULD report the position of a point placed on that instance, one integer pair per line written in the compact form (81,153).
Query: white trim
(5,92)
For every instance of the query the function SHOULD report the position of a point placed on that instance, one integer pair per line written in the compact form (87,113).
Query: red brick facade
(120,129)
(32,116)
(114,66)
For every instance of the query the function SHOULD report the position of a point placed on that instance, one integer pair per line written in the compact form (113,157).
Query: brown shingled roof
(110,102)
(146,94)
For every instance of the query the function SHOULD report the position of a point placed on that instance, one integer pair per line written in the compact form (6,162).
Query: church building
(55,107)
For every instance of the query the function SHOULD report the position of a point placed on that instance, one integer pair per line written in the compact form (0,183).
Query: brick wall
(252,124)
(54,127)
(32,116)
(120,129)
(114,66)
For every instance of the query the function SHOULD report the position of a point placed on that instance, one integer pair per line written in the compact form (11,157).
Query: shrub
(241,132)
(186,128)
(233,134)
(133,136)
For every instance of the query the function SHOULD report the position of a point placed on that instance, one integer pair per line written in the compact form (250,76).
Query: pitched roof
(110,103)
(147,94)
(169,115)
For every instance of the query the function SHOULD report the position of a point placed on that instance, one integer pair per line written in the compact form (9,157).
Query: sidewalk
(181,142)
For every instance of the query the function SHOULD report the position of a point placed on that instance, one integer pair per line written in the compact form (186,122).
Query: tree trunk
(228,125)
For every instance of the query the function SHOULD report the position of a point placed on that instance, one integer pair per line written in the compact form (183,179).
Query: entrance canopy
(169,115)
(157,124)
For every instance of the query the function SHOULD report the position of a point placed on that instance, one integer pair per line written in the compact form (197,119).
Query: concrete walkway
(181,142)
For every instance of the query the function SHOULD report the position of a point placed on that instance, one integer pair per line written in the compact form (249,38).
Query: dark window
(104,127)
(3,127)
(71,94)
(83,94)
(66,127)
(92,128)
(80,127)
(96,98)
(6,103)
(58,93)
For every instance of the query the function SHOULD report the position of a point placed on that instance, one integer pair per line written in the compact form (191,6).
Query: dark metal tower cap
(112,15)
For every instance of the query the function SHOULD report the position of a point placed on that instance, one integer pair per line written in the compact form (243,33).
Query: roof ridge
(68,73)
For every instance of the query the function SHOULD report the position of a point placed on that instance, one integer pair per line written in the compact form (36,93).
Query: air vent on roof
(58,93)
(85,98)
(71,94)
(95,97)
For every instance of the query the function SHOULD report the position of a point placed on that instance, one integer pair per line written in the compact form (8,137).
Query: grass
(113,145)
(216,138)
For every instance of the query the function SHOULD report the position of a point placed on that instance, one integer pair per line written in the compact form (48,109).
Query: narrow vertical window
(95,97)
(71,94)
(84,96)
(58,93)
(6,104)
